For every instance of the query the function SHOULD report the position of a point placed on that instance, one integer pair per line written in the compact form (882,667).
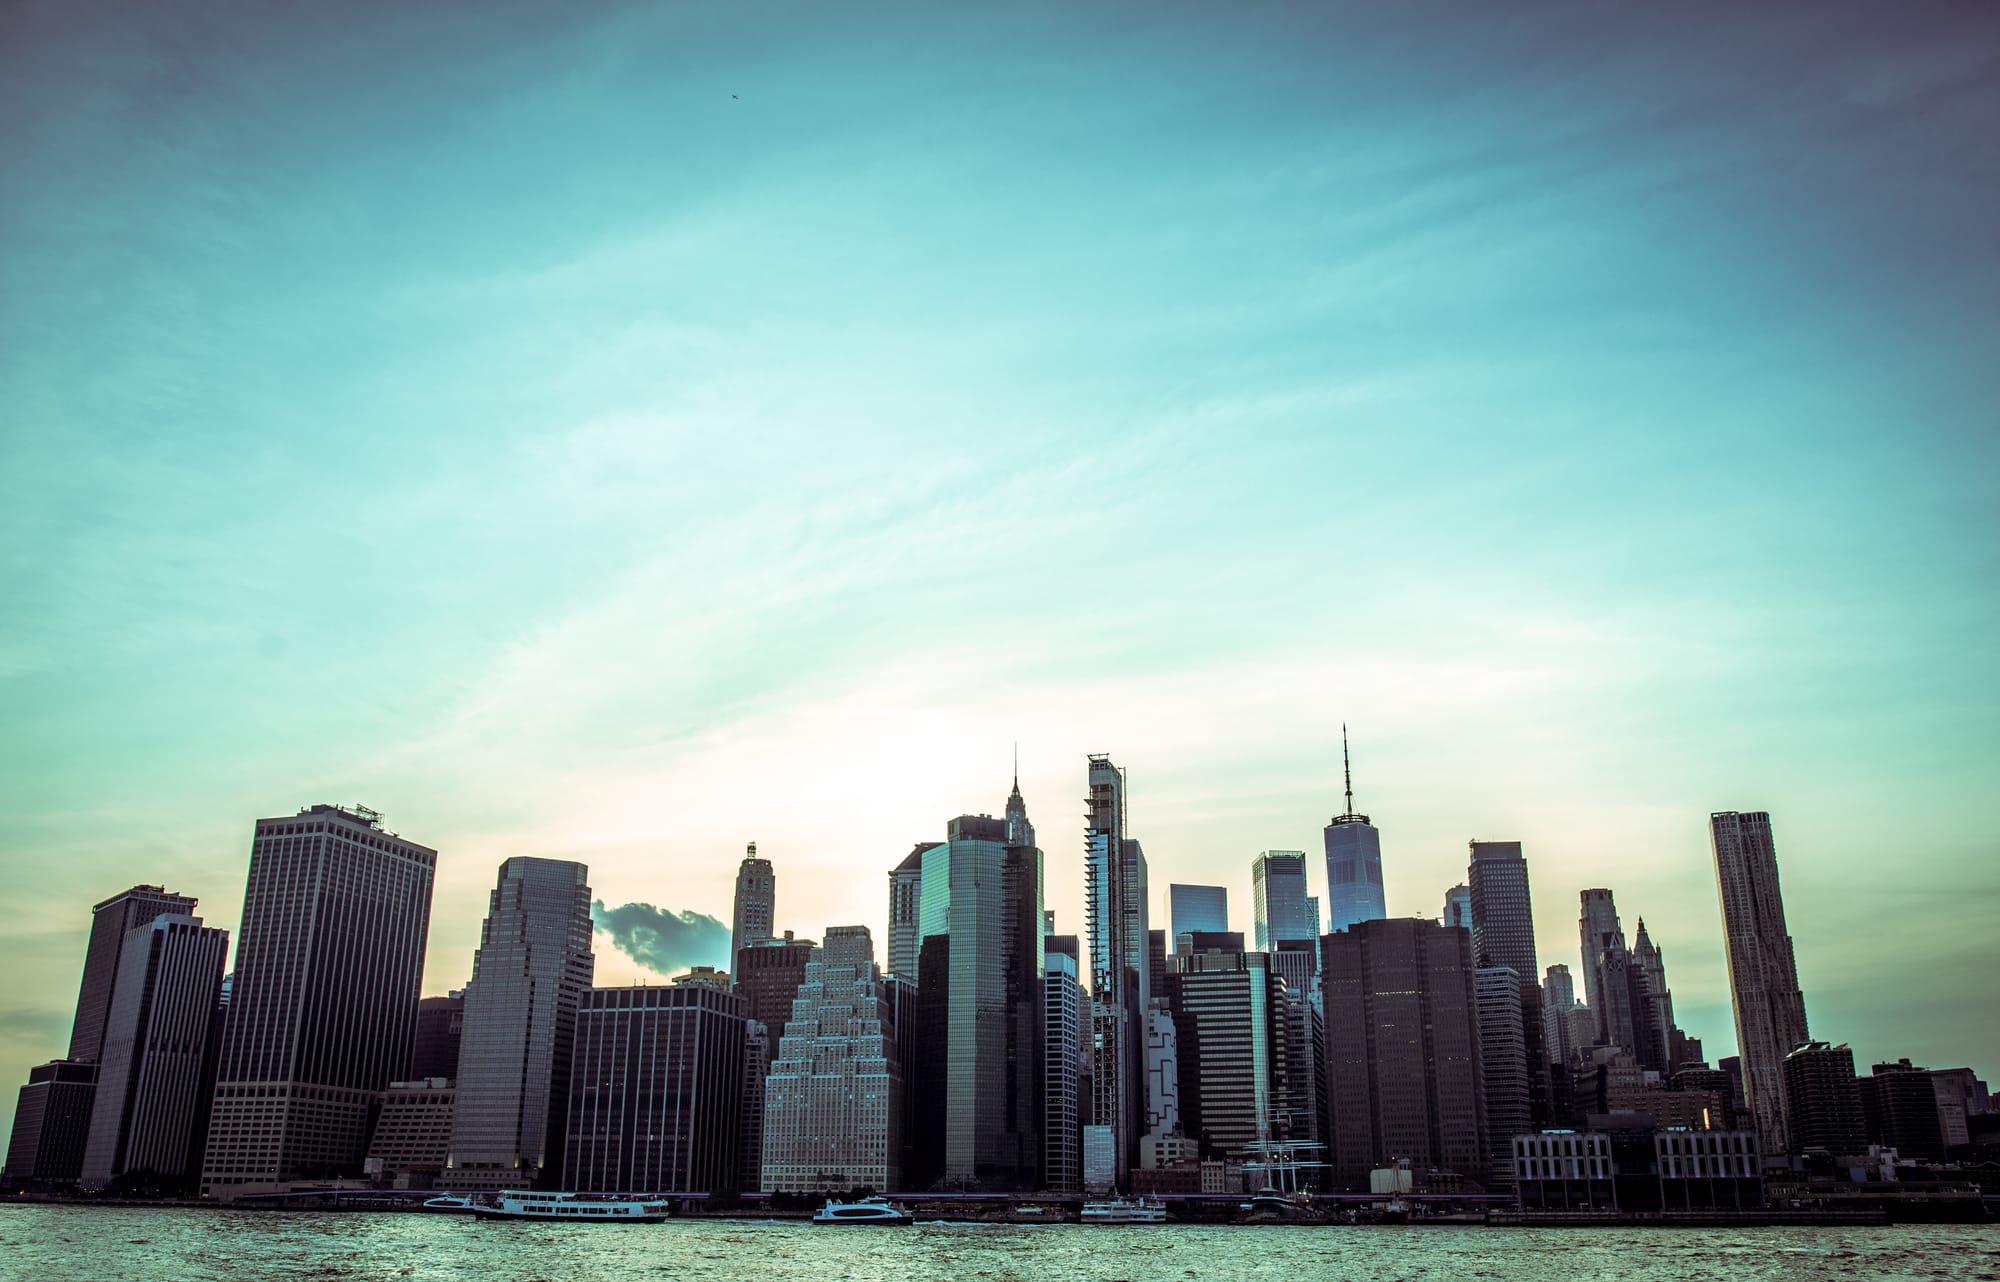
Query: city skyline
(591,453)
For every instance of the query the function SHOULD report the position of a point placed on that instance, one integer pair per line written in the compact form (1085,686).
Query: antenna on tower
(1347,767)
(750,851)
(1017,765)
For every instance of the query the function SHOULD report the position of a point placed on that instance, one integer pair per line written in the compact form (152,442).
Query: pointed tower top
(1347,767)
(1017,767)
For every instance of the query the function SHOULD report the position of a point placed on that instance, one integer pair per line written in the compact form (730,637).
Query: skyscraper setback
(1763,977)
(329,965)
(533,965)
(110,922)
(1353,862)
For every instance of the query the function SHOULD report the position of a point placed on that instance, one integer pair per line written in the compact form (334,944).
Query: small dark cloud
(664,941)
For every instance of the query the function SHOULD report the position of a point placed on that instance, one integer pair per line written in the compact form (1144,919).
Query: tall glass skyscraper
(981,970)
(1763,977)
(110,923)
(329,966)
(1191,908)
(1353,862)
(1114,874)
(529,975)
(1278,898)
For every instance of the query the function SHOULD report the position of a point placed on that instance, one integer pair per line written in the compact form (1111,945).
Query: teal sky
(623,432)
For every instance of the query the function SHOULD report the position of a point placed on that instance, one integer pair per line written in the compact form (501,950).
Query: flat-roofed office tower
(1117,927)
(1763,977)
(110,922)
(1278,897)
(656,1090)
(1503,915)
(981,971)
(1062,1051)
(833,1103)
(1503,1059)
(1353,862)
(156,1034)
(1458,906)
(1191,908)
(529,975)
(1403,1075)
(329,967)
(1231,1013)
(756,902)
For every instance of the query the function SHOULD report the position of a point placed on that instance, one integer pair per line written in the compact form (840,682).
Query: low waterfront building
(52,1123)
(413,1134)
(1625,1164)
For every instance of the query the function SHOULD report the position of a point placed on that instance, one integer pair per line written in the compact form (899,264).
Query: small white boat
(1123,1210)
(583,1208)
(449,1202)
(869,1210)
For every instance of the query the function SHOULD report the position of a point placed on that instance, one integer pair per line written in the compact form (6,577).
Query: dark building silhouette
(110,922)
(440,1025)
(1503,914)
(1403,1074)
(656,1090)
(1822,1103)
(329,969)
(52,1123)
(767,977)
(1899,1107)
(149,1078)
(1230,1018)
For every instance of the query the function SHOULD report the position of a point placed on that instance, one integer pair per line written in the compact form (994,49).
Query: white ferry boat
(869,1210)
(448,1202)
(1122,1210)
(586,1208)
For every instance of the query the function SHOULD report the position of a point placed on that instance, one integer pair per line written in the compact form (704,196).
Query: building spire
(1347,768)
(1017,767)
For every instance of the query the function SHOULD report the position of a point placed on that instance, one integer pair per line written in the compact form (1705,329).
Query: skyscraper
(529,974)
(1503,1059)
(1503,915)
(1558,1000)
(110,922)
(1657,1004)
(833,1102)
(1115,921)
(1062,1049)
(440,1028)
(1232,1016)
(1197,908)
(655,1091)
(756,902)
(1763,978)
(52,1122)
(980,978)
(1402,1050)
(329,966)
(905,886)
(1600,936)
(1822,1102)
(1353,862)
(155,1041)
(1458,906)
(1278,897)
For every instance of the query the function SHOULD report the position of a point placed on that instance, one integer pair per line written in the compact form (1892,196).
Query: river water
(211,1245)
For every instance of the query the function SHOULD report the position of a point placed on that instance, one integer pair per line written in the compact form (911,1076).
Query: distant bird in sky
(733,96)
